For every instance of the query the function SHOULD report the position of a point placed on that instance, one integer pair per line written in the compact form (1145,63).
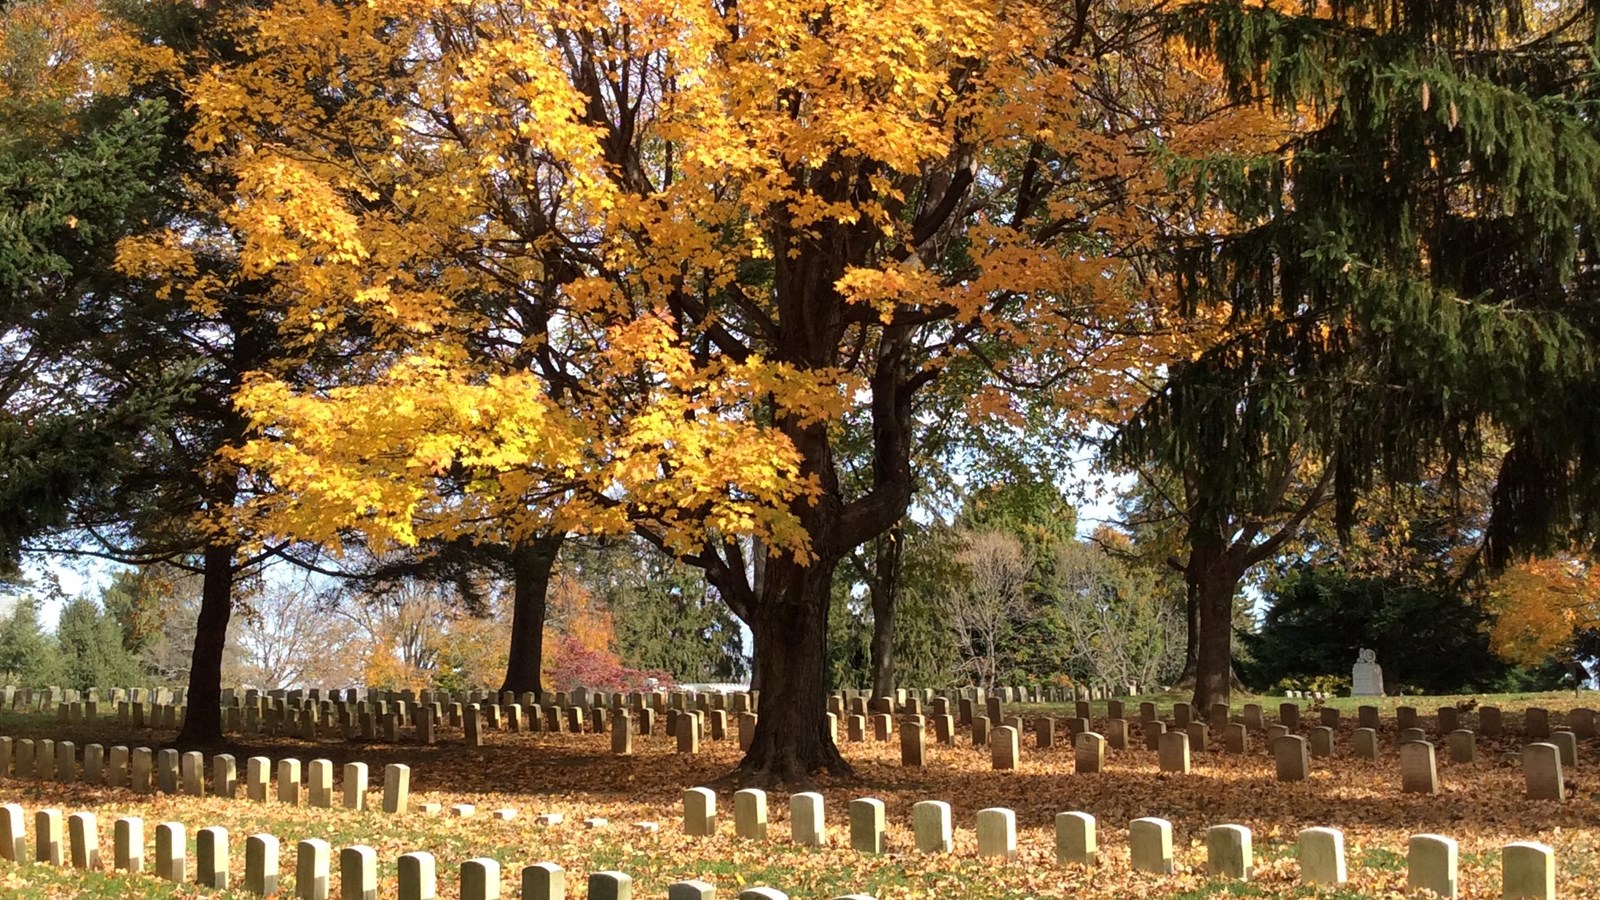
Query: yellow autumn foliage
(1539,604)
(591,265)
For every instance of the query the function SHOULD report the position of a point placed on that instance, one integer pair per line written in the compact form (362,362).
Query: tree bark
(885,592)
(758,585)
(1191,650)
(531,564)
(790,626)
(202,720)
(1213,681)
(789,619)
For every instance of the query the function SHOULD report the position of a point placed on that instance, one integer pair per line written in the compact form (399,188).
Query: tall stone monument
(1366,676)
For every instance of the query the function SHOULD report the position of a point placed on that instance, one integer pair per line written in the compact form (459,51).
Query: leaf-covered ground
(1481,805)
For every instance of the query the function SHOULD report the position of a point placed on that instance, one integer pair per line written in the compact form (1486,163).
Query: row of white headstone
(417,872)
(1528,868)
(144,770)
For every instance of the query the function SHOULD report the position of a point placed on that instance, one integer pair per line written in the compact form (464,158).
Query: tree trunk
(1191,649)
(758,585)
(531,564)
(202,720)
(790,626)
(885,601)
(882,649)
(1213,681)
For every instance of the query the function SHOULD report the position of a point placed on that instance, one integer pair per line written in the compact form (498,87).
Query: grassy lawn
(1481,806)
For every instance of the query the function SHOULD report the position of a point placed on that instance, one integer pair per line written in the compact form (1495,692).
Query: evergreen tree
(1410,276)
(138,601)
(667,617)
(184,324)
(1427,637)
(78,172)
(924,653)
(91,650)
(28,656)
(1032,509)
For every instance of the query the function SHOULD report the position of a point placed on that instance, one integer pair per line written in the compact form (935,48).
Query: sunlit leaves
(593,264)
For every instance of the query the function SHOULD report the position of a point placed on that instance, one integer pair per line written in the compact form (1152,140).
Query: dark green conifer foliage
(1410,278)
(27,655)
(72,183)
(92,653)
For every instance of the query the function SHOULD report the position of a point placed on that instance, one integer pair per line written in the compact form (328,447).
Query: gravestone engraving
(1366,676)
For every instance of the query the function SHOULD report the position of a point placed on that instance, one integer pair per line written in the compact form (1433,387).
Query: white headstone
(1366,676)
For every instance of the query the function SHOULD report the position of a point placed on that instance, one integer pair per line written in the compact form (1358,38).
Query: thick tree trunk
(202,721)
(531,564)
(885,601)
(790,625)
(1213,681)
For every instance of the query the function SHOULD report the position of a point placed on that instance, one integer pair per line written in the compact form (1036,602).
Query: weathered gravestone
(913,742)
(997,832)
(1174,752)
(1541,766)
(1536,723)
(1567,743)
(1150,845)
(1419,772)
(1089,752)
(1528,869)
(750,814)
(930,824)
(1449,719)
(1490,721)
(1322,856)
(1289,715)
(866,825)
(1290,757)
(1004,748)
(1431,864)
(1367,717)
(1116,733)
(1366,676)
(1321,741)
(1228,852)
(1236,738)
(1075,839)
(1153,732)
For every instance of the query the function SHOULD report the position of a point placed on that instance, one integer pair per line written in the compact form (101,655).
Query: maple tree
(606,268)
(1540,605)
(404,626)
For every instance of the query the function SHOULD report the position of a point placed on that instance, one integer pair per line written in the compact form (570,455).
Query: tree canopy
(568,311)
(621,271)
(1407,278)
